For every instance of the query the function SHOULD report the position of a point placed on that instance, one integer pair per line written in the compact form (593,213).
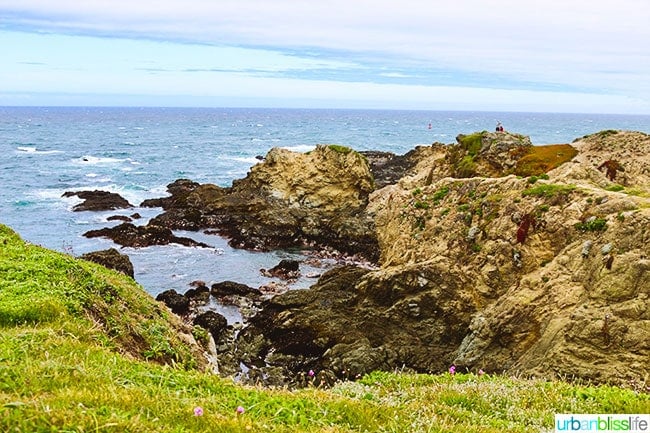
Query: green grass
(77,350)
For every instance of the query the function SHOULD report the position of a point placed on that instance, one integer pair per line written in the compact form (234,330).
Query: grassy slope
(85,349)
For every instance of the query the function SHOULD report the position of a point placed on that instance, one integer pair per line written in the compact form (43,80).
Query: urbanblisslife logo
(633,423)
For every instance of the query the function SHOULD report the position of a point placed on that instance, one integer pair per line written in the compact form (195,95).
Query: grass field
(84,349)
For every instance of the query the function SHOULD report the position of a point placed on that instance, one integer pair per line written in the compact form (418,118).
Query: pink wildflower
(198,411)
(311,373)
(481,372)
(452,369)
(240,410)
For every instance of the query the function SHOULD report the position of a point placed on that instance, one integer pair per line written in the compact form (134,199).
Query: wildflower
(481,372)
(240,410)
(452,370)
(198,411)
(311,373)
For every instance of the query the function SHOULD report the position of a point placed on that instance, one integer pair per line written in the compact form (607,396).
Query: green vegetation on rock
(592,225)
(548,190)
(339,148)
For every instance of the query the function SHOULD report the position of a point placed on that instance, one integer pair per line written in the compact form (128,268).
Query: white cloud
(599,46)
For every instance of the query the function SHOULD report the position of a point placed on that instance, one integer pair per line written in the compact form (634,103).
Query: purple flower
(198,411)
(240,410)
(452,369)
(311,373)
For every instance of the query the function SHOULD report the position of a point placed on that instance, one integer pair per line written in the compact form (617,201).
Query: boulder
(111,259)
(286,270)
(98,200)
(176,302)
(213,322)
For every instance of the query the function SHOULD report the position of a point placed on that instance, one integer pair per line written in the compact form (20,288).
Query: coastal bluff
(544,273)
(489,254)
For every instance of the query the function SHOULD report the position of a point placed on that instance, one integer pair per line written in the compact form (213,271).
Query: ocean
(136,152)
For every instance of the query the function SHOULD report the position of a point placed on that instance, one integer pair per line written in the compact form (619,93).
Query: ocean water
(136,152)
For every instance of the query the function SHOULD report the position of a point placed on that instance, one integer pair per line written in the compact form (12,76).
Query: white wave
(302,148)
(249,160)
(35,151)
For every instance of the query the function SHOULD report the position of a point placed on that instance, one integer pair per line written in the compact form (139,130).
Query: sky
(587,56)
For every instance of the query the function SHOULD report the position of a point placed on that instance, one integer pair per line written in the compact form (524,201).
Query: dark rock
(129,235)
(229,288)
(286,270)
(213,322)
(199,293)
(111,259)
(388,168)
(136,216)
(354,321)
(179,190)
(98,200)
(122,218)
(176,302)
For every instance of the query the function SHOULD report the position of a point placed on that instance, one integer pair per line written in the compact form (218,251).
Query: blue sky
(502,55)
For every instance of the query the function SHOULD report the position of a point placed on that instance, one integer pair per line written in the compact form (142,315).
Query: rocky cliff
(479,267)
(491,254)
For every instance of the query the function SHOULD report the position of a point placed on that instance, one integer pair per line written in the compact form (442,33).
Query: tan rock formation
(543,275)
(572,299)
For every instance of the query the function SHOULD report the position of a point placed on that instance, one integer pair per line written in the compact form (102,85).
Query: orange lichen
(542,159)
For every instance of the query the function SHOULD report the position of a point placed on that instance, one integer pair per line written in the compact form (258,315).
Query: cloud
(588,46)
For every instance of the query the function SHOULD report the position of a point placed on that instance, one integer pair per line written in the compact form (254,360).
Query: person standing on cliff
(499,127)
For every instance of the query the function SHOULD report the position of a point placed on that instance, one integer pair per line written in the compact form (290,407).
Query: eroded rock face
(111,259)
(481,272)
(98,200)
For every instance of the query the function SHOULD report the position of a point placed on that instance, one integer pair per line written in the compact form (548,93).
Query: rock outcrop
(546,275)
(288,199)
(98,200)
(129,235)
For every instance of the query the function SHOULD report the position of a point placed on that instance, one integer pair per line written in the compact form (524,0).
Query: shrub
(440,194)
(592,225)
(466,167)
(612,167)
(526,223)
